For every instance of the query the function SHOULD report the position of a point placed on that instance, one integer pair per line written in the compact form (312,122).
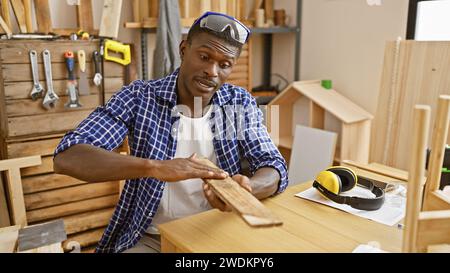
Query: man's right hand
(183,168)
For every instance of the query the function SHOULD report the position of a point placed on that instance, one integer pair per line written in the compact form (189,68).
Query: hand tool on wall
(37,90)
(41,235)
(97,62)
(83,83)
(50,97)
(118,48)
(72,82)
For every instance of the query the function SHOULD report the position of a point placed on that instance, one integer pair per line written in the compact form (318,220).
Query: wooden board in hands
(242,201)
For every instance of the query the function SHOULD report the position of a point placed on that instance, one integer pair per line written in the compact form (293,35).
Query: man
(168,122)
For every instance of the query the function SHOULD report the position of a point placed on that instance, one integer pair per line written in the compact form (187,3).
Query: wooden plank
(16,199)
(239,82)
(205,5)
(420,71)
(268,7)
(144,6)
(438,147)
(8,239)
(438,201)
(45,167)
(86,221)
(19,11)
(85,16)
(21,90)
(223,6)
(5,13)
(5,27)
(68,195)
(4,213)
(215,6)
(48,182)
(154,8)
(231,7)
(113,85)
(84,239)
(241,10)
(110,22)
(14,52)
(355,141)
(28,16)
(44,124)
(43,147)
(242,201)
(22,72)
(316,116)
(184,8)
(43,16)
(28,107)
(238,75)
(333,102)
(433,229)
(194,8)
(136,11)
(59,211)
(19,163)
(416,173)
(395,174)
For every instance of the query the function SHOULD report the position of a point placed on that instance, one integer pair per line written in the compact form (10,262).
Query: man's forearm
(265,182)
(92,164)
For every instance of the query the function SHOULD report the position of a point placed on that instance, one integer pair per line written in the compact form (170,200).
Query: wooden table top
(307,227)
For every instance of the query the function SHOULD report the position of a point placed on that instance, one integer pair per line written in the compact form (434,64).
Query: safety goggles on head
(218,22)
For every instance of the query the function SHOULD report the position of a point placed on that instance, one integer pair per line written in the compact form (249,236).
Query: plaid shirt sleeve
(108,125)
(258,147)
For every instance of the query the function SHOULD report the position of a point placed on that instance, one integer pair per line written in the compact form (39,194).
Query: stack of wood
(23,10)
(145,12)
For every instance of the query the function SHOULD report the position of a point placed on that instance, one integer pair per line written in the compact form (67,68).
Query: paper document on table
(392,211)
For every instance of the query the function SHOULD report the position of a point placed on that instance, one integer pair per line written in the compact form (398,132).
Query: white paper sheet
(392,211)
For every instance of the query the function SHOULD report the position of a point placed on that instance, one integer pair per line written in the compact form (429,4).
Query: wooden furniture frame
(427,228)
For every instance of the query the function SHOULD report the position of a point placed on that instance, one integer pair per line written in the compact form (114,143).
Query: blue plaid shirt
(146,111)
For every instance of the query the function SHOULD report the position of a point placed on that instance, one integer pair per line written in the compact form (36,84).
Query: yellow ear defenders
(336,180)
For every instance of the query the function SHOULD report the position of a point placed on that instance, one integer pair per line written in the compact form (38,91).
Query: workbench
(307,227)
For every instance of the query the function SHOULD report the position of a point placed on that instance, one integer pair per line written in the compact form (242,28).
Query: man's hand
(216,202)
(182,169)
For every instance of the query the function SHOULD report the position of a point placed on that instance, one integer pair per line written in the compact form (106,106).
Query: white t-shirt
(185,198)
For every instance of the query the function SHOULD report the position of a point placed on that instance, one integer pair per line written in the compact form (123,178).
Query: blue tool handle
(70,63)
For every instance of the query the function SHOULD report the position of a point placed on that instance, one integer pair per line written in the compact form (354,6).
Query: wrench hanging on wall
(50,98)
(37,90)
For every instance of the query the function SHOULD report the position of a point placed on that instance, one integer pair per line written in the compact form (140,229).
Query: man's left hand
(216,202)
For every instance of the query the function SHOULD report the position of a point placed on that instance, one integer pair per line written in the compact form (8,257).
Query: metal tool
(72,82)
(83,81)
(41,235)
(50,97)
(37,90)
(98,74)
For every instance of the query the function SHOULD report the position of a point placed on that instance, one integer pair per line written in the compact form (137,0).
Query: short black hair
(224,35)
